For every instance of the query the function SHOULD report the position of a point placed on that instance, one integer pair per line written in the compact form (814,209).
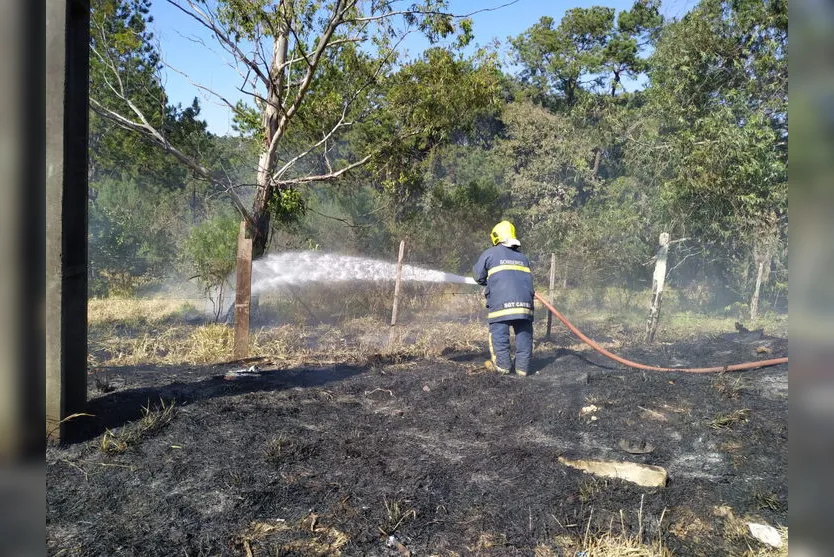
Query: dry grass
(737,532)
(620,545)
(312,538)
(152,421)
(102,311)
(767,500)
(353,341)
(487,541)
(729,420)
(180,345)
(349,324)
(398,512)
(728,387)
(608,543)
(590,488)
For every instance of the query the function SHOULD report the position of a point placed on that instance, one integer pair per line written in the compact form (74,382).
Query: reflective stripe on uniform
(509,311)
(508,268)
(494,358)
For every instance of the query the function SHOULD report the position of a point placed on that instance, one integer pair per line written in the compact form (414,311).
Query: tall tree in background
(586,51)
(136,190)
(719,92)
(565,158)
(314,72)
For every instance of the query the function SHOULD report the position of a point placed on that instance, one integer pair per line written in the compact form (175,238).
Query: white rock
(641,474)
(765,534)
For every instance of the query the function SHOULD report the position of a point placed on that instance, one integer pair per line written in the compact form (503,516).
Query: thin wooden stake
(754,301)
(243,293)
(397,283)
(551,291)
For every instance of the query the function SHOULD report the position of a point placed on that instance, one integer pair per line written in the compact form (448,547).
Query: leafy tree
(328,60)
(325,75)
(585,51)
(719,92)
(124,68)
(463,197)
(549,166)
(210,253)
(131,241)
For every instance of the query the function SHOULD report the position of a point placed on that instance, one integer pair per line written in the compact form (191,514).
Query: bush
(211,251)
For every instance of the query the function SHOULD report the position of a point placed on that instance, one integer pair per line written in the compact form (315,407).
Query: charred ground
(399,455)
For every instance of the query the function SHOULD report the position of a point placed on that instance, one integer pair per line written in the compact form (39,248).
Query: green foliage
(210,252)
(131,241)
(287,206)
(719,96)
(442,146)
(462,200)
(586,51)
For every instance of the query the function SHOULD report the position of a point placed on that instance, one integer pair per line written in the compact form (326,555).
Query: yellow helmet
(504,233)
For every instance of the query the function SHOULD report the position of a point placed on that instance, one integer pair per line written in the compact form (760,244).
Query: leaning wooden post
(243,292)
(551,291)
(397,283)
(754,301)
(658,280)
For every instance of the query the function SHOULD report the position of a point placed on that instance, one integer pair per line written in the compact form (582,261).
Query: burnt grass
(445,457)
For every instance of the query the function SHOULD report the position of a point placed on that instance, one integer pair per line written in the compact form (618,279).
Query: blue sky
(189,50)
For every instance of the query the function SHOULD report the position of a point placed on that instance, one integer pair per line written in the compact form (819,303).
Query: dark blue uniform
(506,274)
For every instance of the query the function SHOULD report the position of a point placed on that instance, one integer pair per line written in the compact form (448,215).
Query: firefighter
(505,272)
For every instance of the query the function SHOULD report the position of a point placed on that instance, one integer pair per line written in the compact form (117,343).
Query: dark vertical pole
(67,93)
(243,292)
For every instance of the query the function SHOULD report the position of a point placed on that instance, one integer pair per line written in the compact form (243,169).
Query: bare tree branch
(325,177)
(280,172)
(209,23)
(334,21)
(345,221)
(427,12)
(155,137)
(203,87)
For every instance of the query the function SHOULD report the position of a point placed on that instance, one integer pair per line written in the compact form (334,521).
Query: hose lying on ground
(629,363)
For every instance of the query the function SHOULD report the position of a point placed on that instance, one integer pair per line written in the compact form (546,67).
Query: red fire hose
(629,363)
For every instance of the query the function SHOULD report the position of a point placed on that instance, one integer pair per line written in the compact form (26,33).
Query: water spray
(286,269)
(277,270)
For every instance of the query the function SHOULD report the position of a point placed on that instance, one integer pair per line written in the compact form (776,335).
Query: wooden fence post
(550,292)
(754,301)
(658,280)
(397,283)
(243,292)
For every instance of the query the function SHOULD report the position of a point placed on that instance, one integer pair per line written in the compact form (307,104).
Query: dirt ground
(436,456)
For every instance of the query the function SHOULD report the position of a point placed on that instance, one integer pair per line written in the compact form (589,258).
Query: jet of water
(275,270)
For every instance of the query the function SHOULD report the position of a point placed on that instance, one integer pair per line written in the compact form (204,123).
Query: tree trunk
(266,162)
(257,239)
(597,159)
